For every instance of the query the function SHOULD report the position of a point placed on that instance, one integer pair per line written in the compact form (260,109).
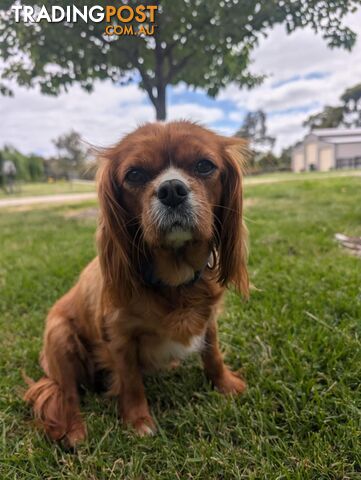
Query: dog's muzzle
(173,210)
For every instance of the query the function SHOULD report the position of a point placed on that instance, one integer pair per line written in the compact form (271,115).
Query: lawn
(290,176)
(44,188)
(297,341)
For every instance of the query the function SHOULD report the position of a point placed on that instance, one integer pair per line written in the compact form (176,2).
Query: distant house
(328,148)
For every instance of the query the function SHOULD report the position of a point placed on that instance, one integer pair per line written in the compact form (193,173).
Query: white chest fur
(179,351)
(161,354)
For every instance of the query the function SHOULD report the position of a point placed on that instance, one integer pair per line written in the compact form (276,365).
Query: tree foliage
(73,158)
(348,114)
(204,44)
(71,150)
(29,168)
(330,117)
(260,158)
(254,129)
(352,105)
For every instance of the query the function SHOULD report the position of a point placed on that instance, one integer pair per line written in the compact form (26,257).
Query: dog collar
(150,279)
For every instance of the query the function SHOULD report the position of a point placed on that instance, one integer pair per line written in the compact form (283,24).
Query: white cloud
(284,57)
(287,129)
(193,111)
(31,120)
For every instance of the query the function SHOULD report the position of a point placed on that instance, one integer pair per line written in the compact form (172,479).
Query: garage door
(298,162)
(326,159)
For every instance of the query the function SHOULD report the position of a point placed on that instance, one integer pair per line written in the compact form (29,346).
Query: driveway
(47,199)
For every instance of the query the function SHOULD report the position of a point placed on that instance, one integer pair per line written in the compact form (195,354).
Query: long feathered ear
(113,239)
(232,233)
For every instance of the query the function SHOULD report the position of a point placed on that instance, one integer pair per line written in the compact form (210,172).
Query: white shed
(328,148)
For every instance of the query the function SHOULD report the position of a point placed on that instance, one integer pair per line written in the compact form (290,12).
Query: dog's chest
(174,350)
(158,353)
(169,331)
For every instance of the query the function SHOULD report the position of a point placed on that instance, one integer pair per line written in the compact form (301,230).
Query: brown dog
(170,239)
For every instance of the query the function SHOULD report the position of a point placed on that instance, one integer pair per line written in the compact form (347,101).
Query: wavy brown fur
(112,320)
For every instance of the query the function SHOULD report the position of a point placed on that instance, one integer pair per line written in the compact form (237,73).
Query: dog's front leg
(133,405)
(224,380)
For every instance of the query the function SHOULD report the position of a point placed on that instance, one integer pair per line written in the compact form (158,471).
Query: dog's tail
(57,414)
(47,401)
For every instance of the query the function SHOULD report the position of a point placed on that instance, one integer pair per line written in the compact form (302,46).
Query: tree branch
(147,84)
(174,69)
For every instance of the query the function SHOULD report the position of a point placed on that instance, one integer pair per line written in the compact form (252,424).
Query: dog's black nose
(172,192)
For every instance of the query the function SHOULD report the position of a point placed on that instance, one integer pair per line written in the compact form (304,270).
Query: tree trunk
(160,107)
(160,83)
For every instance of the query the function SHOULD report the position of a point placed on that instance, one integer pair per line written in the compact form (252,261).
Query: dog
(170,240)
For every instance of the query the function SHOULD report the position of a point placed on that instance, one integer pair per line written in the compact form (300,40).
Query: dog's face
(172,187)
(171,182)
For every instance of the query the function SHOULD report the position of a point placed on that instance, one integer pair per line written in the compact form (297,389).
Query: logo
(123,20)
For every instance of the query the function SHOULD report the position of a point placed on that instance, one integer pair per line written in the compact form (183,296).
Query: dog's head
(170,196)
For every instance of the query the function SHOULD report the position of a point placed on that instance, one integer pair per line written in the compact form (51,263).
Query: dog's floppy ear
(232,233)
(113,239)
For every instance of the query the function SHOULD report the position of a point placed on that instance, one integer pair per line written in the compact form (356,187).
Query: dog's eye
(136,176)
(205,167)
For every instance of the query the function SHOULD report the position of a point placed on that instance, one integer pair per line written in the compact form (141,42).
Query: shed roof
(338,140)
(338,135)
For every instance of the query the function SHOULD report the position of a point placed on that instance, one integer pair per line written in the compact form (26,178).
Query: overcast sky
(303,76)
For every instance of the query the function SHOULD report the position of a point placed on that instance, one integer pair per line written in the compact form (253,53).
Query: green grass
(35,189)
(297,340)
(290,176)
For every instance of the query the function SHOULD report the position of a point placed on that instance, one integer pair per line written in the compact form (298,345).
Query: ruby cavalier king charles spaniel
(170,239)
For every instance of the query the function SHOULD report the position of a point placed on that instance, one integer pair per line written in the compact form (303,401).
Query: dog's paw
(76,436)
(229,383)
(144,426)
